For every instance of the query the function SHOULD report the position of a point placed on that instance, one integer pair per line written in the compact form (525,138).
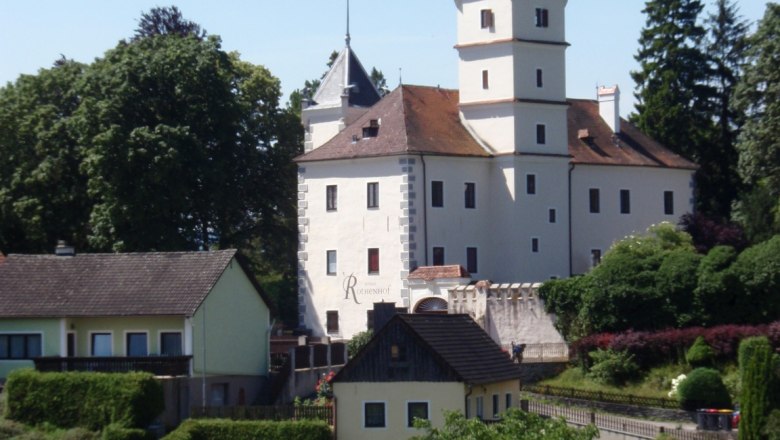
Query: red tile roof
(435,272)
(132,284)
(417,119)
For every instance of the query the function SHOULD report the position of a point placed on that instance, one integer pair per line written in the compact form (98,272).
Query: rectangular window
(372,130)
(437,193)
(480,409)
(541,135)
(331,194)
(170,344)
(539,78)
(373,261)
(485,80)
(552,215)
(471,260)
(530,183)
(372,194)
(331,255)
(101,344)
(668,202)
(470,195)
(595,257)
(595,201)
(332,318)
(374,415)
(416,410)
(219,394)
(20,346)
(438,256)
(508,400)
(542,17)
(486,16)
(534,245)
(369,322)
(136,344)
(625,201)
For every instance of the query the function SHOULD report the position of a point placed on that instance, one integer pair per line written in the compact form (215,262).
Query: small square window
(437,194)
(101,344)
(625,201)
(485,80)
(372,194)
(534,245)
(374,415)
(471,260)
(438,256)
(486,18)
(332,318)
(170,344)
(669,202)
(470,195)
(530,184)
(373,261)
(136,344)
(595,201)
(552,216)
(416,410)
(331,265)
(541,134)
(331,197)
(542,17)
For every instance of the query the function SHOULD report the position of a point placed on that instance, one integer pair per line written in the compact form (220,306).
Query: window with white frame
(480,407)
(20,345)
(136,344)
(374,415)
(331,262)
(100,344)
(416,410)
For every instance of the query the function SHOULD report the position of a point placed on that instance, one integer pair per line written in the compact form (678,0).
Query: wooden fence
(269,412)
(599,396)
(618,425)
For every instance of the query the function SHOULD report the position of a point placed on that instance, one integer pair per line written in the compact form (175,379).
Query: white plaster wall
(522,321)
(497,59)
(321,123)
(527,116)
(492,124)
(350,230)
(439,288)
(551,59)
(647,186)
(524,20)
(470,24)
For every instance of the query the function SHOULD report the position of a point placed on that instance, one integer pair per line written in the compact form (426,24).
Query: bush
(10,429)
(772,427)
(117,432)
(214,429)
(88,400)
(758,386)
(703,388)
(700,354)
(612,367)
(358,341)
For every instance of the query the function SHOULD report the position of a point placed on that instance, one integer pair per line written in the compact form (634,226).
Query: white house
(505,177)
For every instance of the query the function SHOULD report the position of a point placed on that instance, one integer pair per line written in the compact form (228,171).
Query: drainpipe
(466,401)
(203,373)
(425,208)
(571,266)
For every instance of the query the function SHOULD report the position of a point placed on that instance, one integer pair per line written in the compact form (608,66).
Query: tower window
(595,201)
(539,78)
(669,202)
(530,184)
(331,262)
(437,194)
(552,217)
(332,321)
(438,256)
(625,201)
(534,245)
(541,134)
(372,194)
(542,17)
(486,18)
(485,80)
(373,261)
(471,260)
(331,197)
(471,195)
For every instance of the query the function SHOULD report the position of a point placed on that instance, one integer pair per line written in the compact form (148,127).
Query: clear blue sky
(293,38)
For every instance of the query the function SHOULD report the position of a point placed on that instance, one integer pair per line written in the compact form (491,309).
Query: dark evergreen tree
(166,21)
(757,96)
(379,81)
(759,386)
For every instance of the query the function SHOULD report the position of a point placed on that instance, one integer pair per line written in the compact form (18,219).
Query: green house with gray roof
(197,316)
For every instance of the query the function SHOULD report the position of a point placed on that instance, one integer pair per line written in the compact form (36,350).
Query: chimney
(609,106)
(64,250)
(383,312)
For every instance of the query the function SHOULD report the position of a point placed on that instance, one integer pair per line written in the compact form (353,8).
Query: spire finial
(347,38)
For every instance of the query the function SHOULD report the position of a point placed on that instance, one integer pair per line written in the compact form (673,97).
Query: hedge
(703,388)
(217,429)
(80,399)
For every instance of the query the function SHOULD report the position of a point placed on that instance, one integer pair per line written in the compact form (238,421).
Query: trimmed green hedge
(88,400)
(703,388)
(218,429)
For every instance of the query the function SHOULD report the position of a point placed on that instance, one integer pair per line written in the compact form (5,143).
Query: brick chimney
(609,106)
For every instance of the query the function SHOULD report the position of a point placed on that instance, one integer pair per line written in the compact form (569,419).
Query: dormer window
(372,130)
(542,17)
(486,18)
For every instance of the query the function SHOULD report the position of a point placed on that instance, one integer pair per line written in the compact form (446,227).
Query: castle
(505,178)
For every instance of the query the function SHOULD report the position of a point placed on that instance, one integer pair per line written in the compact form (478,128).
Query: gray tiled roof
(464,346)
(131,284)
